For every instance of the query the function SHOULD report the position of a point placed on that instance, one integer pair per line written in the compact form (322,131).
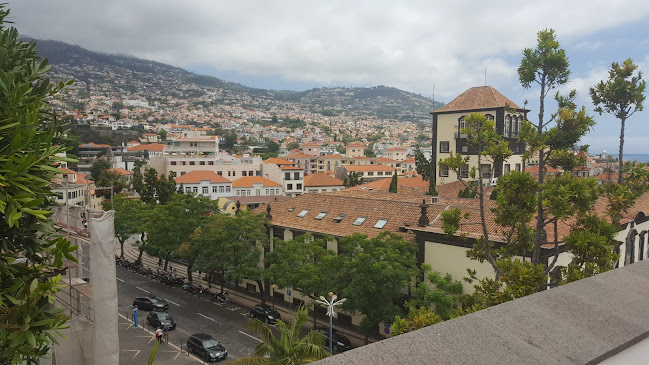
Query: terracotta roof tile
(121,171)
(248,181)
(476,98)
(196,176)
(298,155)
(362,168)
(290,168)
(321,179)
(279,161)
(158,147)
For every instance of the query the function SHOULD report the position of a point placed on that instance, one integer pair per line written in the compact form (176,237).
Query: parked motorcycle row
(172,279)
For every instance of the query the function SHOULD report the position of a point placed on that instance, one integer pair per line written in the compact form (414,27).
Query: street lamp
(330,312)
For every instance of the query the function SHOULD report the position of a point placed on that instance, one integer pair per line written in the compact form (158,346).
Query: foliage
(451,219)
(371,273)
(109,178)
(621,95)
(621,197)
(424,166)
(151,188)
(293,145)
(417,318)
(127,222)
(353,179)
(30,138)
(393,183)
(169,225)
(441,297)
(98,167)
(591,244)
(289,348)
(432,187)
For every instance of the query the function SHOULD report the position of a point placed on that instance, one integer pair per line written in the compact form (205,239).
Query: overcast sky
(406,44)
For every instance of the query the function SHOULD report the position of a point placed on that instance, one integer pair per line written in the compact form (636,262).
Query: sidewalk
(136,344)
(247,301)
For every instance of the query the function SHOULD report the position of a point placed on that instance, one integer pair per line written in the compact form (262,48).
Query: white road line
(253,337)
(120,279)
(174,303)
(233,309)
(243,314)
(144,290)
(206,317)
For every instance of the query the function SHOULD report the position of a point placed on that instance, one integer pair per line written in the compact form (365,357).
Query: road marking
(174,303)
(244,314)
(253,337)
(206,317)
(144,290)
(136,353)
(122,282)
(233,308)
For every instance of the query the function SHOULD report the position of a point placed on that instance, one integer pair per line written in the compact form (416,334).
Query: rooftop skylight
(320,215)
(359,221)
(381,223)
(303,213)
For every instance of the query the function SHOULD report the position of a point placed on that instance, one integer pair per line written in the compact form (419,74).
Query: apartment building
(205,183)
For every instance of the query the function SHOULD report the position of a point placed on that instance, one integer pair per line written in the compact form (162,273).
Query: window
(370,173)
(381,223)
(183,163)
(182,173)
(287,176)
(234,173)
(244,173)
(173,163)
(465,149)
(206,190)
(210,162)
(229,173)
(485,171)
(359,221)
(202,163)
(303,213)
(289,186)
(220,173)
(508,126)
(506,169)
(296,176)
(257,192)
(489,116)
(320,215)
(464,171)
(388,173)
(518,167)
(517,125)
(215,189)
(443,146)
(191,163)
(379,173)
(188,190)
(443,171)
(251,173)
(227,189)
(339,218)
(298,187)
(195,189)
(462,126)
(172,173)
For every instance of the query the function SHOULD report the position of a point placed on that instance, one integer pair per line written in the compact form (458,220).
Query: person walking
(165,331)
(158,334)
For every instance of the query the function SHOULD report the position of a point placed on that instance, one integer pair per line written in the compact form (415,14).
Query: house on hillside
(322,183)
(205,183)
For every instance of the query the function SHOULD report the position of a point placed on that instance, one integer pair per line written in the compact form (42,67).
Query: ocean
(635,156)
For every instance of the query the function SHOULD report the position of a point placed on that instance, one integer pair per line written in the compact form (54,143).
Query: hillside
(131,75)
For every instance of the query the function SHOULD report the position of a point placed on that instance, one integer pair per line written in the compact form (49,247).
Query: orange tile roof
(534,170)
(248,181)
(394,149)
(94,145)
(298,155)
(196,176)
(157,147)
(311,144)
(362,168)
(384,159)
(121,171)
(68,171)
(81,179)
(279,161)
(290,168)
(322,179)
(476,98)
(356,144)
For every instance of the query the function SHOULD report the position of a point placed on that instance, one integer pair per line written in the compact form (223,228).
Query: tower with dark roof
(447,135)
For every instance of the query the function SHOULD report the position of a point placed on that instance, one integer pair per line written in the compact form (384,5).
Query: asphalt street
(225,322)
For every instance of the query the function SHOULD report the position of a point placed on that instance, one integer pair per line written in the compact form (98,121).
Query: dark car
(206,347)
(160,319)
(150,303)
(265,313)
(340,342)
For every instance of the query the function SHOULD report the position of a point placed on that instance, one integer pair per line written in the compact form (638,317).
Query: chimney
(423,219)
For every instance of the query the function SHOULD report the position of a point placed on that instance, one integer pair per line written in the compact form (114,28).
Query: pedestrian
(159,261)
(165,329)
(171,266)
(158,334)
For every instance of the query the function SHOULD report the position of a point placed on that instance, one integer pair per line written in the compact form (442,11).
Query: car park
(340,342)
(265,313)
(151,303)
(160,319)
(206,347)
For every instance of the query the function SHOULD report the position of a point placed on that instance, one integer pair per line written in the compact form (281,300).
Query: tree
(547,65)
(126,219)
(30,137)
(302,262)
(424,166)
(112,179)
(417,319)
(621,95)
(98,167)
(393,184)
(371,272)
(169,225)
(163,134)
(290,347)
(273,147)
(353,179)
(436,292)
(293,145)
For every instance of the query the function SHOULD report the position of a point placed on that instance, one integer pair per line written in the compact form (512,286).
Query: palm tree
(289,348)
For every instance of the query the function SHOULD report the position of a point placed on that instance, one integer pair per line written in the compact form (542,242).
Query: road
(225,322)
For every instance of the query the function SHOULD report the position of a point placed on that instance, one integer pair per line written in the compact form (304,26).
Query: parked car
(160,319)
(151,303)
(206,347)
(340,342)
(265,313)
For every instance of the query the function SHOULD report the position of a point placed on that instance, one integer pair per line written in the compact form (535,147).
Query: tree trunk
(262,293)
(121,244)
(166,262)
(621,163)
(367,339)
(538,236)
(222,282)
(190,265)
(143,243)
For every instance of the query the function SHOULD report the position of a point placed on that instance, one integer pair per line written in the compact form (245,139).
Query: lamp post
(330,312)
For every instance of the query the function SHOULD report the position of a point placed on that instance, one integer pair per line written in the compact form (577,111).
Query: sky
(418,46)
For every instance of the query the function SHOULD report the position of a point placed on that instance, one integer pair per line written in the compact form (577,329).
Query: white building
(205,183)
